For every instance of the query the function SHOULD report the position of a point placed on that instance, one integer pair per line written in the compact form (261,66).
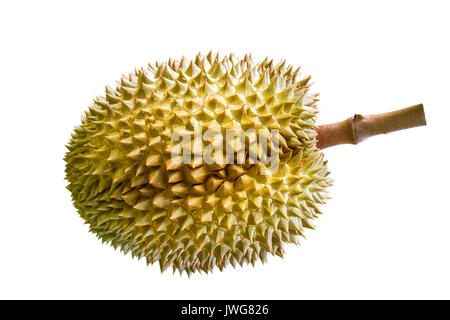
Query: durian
(132,184)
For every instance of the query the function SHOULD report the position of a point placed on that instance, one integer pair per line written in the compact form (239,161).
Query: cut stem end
(358,128)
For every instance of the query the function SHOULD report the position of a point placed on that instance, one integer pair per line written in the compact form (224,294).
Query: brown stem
(358,128)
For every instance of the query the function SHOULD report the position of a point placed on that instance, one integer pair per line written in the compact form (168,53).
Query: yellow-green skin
(195,216)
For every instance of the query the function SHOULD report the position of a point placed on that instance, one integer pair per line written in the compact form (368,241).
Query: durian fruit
(133,187)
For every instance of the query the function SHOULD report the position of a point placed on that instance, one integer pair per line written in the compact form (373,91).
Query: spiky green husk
(195,217)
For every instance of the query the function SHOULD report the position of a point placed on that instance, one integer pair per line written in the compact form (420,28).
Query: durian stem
(358,128)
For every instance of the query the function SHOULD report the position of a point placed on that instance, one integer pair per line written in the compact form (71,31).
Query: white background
(385,233)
